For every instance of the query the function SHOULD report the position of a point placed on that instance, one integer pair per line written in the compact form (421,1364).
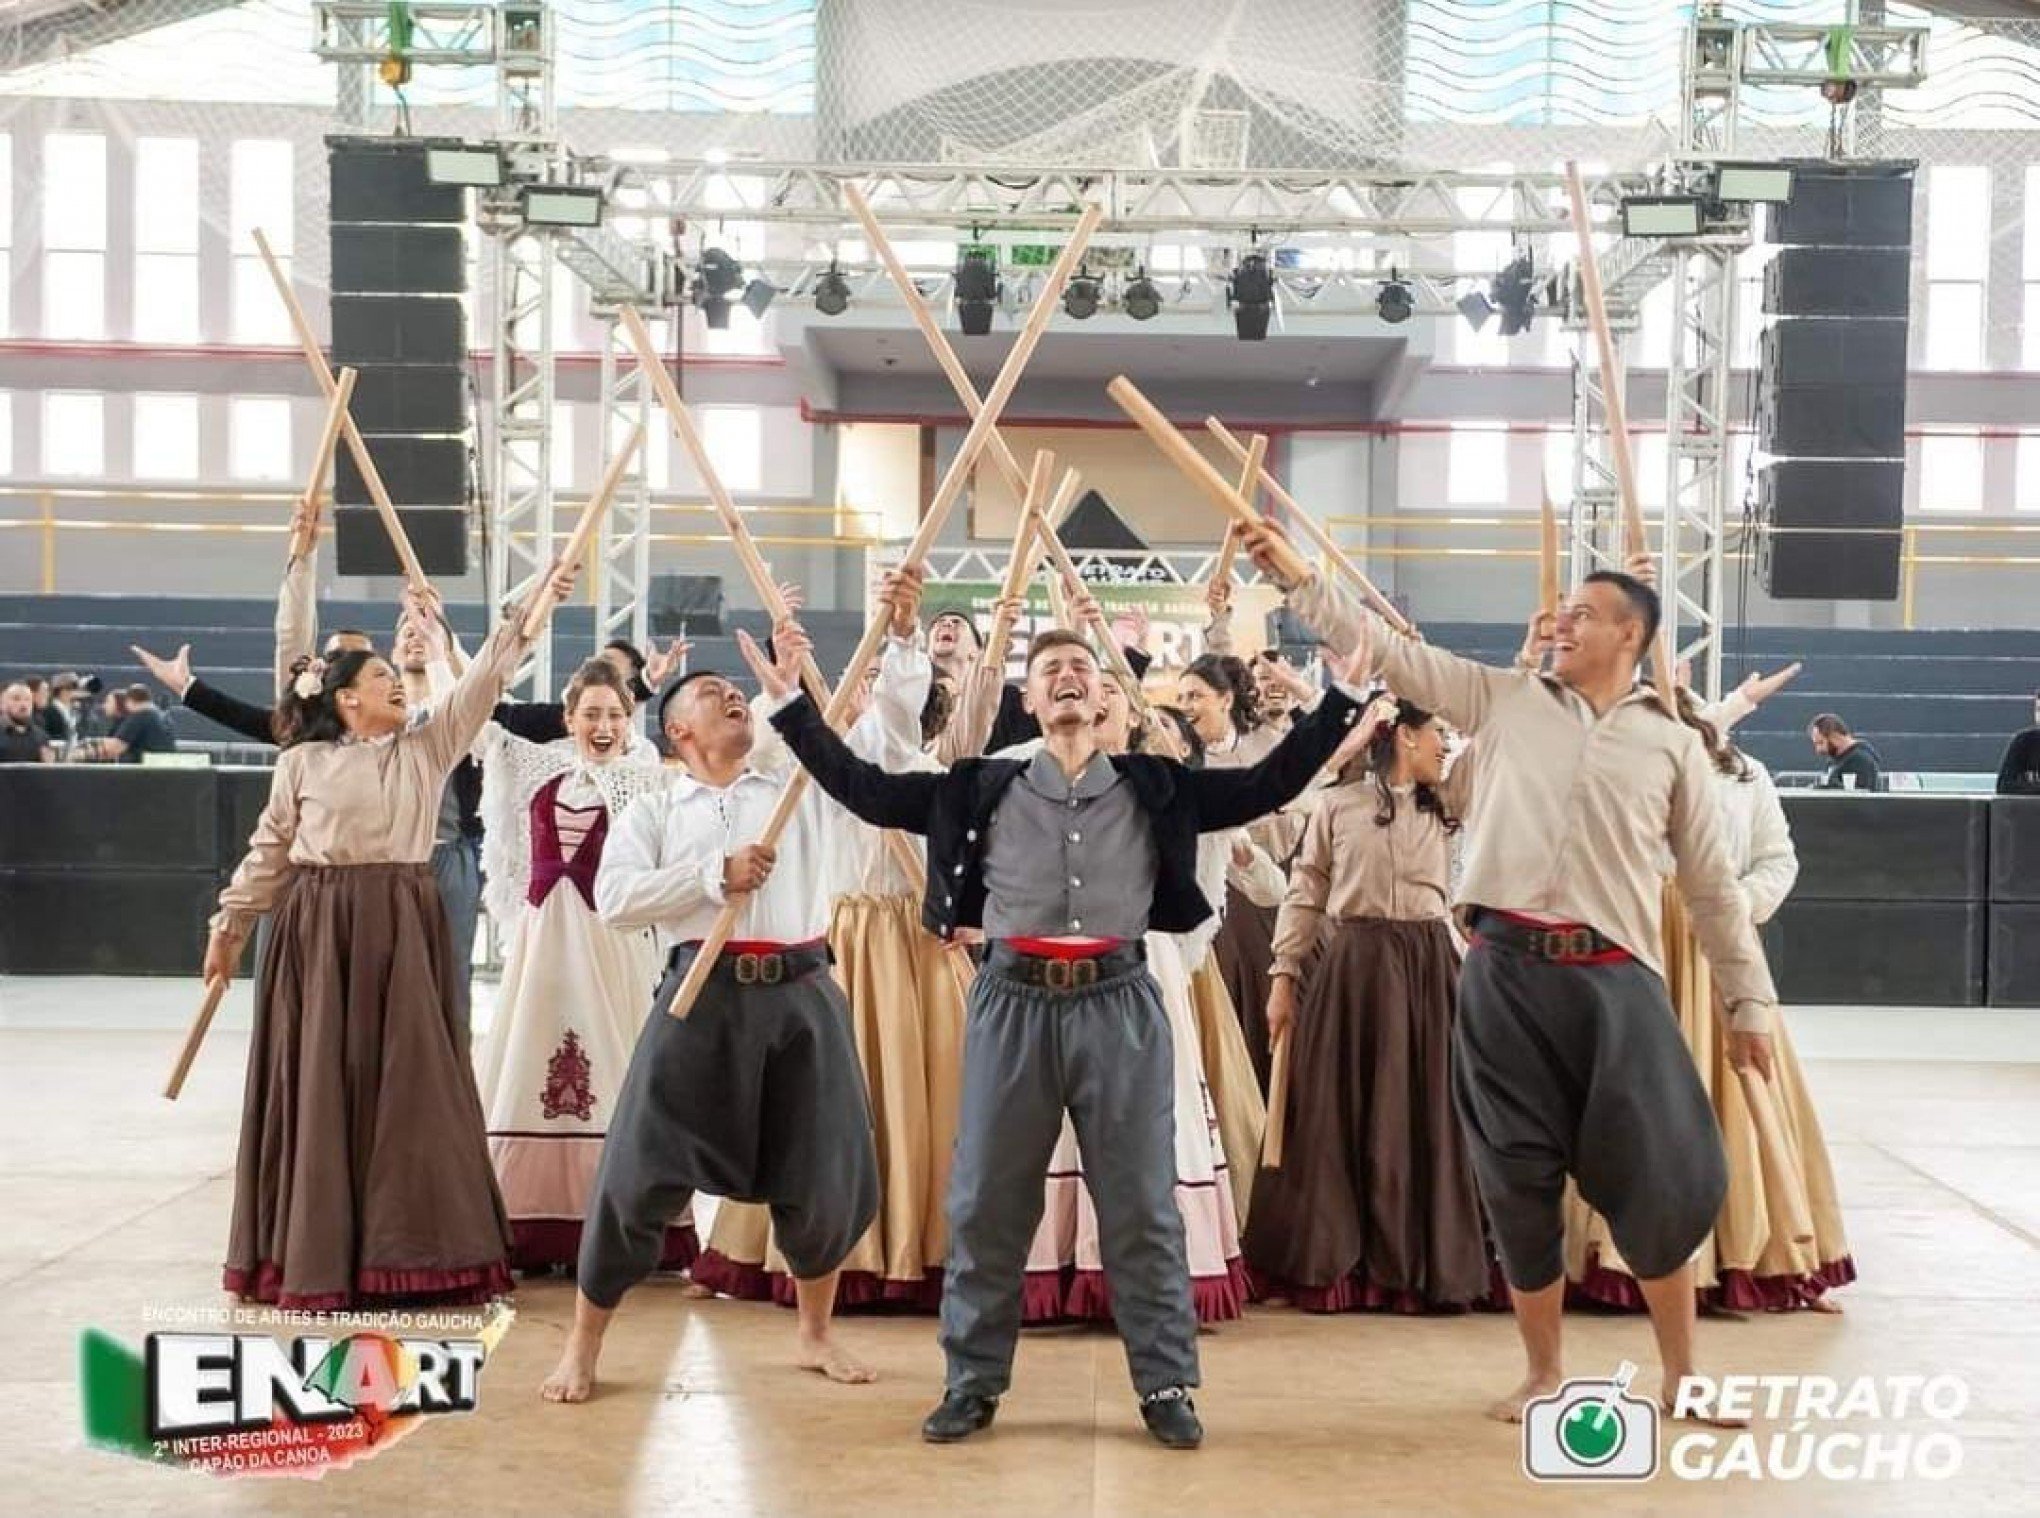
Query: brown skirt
(363,1178)
(1374,1205)
(1245,947)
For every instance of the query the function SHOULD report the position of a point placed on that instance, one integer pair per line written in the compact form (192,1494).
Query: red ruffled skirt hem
(462,1286)
(1056,1296)
(1736,1290)
(1356,1293)
(854,1288)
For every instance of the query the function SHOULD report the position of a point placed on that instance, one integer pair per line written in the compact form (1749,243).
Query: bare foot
(822,1355)
(1510,1408)
(1668,1401)
(696,1292)
(1824,1303)
(573,1379)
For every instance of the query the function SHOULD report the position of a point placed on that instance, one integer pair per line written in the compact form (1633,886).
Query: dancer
(756,1095)
(1750,1261)
(573,989)
(906,1015)
(1374,1204)
(1566,1057)
(1065,861)
(363,1175)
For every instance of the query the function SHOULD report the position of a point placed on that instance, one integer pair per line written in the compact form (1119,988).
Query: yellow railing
(1911,559)
(52,512)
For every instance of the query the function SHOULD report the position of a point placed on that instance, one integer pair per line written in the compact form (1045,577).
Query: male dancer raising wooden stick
(1064,861)
(1567,1060)
(758,1095)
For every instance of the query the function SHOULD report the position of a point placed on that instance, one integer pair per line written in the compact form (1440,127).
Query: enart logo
(252,1404)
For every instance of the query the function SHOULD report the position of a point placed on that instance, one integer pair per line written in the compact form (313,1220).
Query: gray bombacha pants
(1564,1069)
(1104,1054)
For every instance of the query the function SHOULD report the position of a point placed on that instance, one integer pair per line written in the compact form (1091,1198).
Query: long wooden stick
(946,495)
(1020,565)
(1179,451)
(1320,539)
(938,343)
(542,604)
(306,535)
(1616,404)
(1547,558)
(215,989)
(1278,1103)
(357,446)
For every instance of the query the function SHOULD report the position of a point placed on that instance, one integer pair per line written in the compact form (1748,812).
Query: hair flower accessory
(310,679)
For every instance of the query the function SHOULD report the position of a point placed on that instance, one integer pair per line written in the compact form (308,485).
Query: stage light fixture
(758,296)
(1661,216)
(1513,292)
(1140,299)
(832,291)
(1476,308)
(561,205)
(977,290)
(1080,295)
(481,168)
(1394,302)
(1752,182)
(1251,294)
(715,280)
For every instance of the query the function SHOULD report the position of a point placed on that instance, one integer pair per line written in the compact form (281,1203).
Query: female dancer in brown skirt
(1374,1206)
(363,1178)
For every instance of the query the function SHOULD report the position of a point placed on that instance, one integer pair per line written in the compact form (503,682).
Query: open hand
(1130,627)
(779,674)
(660,667)
(173,673)
(1757,689)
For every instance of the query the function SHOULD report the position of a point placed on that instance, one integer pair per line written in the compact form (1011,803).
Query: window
(74,435)
(74,235)
(2030,309)
(2028,465)
(1558,465)
(166,240)
(1647,455)
(1951,472)
(1958,258)
(6,429)
(734,437)
(258,437)
(563,472)
(6,239)
(1477,466)
(261,195)
(166,437)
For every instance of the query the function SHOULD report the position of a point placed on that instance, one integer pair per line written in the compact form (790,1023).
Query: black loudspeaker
(689,605)
(415,398)
(1831,528)
(1832,388)
(2015,849)
(1851,282)
(2015,954)
(398,329)
(56,817)
(378,260)
(380,179)
(94,922)
(1866,205)
(1889,848)
(438,534)
(418,471)
(1880,953)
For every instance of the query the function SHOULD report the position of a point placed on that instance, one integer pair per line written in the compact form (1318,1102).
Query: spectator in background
(60,717)
(2019,772)
(143,729)
(1853,765)
(22,739)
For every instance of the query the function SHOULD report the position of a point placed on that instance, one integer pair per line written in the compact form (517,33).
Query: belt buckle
(1084,972)
(1580,943)
(771,968)
(746,969)
(1055,974)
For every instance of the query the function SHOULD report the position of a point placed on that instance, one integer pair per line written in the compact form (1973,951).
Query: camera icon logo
(1591,1430)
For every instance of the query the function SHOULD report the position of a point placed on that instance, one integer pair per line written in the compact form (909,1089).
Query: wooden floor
(115,1202)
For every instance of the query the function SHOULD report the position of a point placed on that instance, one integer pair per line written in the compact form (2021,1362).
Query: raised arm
(978,695)
(862,788)
(297,615)
(893,720)
(1234,798)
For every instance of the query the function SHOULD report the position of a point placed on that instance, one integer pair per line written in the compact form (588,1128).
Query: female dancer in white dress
(574,991)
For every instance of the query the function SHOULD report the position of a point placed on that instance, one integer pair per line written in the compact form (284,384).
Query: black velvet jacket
(953,807)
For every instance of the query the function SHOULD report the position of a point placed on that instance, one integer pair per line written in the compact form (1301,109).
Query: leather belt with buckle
(758,969)
(762,967)
(1571,944)
(1063,974)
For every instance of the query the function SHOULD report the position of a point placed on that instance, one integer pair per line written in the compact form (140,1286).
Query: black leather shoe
(1171,1417)
(959,1416)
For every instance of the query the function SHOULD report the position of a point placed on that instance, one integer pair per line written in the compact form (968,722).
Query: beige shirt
(297,615)
(368,801)
(1572,810)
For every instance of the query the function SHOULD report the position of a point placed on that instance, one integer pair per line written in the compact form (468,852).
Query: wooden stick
(1320,539)
(306,536)
(215,989)
(1179,451)
(1547,558)
(938,343)
(357,446)
(1020,566)
(541,608)
(1615,403)
(946,494)
(1278,1103)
